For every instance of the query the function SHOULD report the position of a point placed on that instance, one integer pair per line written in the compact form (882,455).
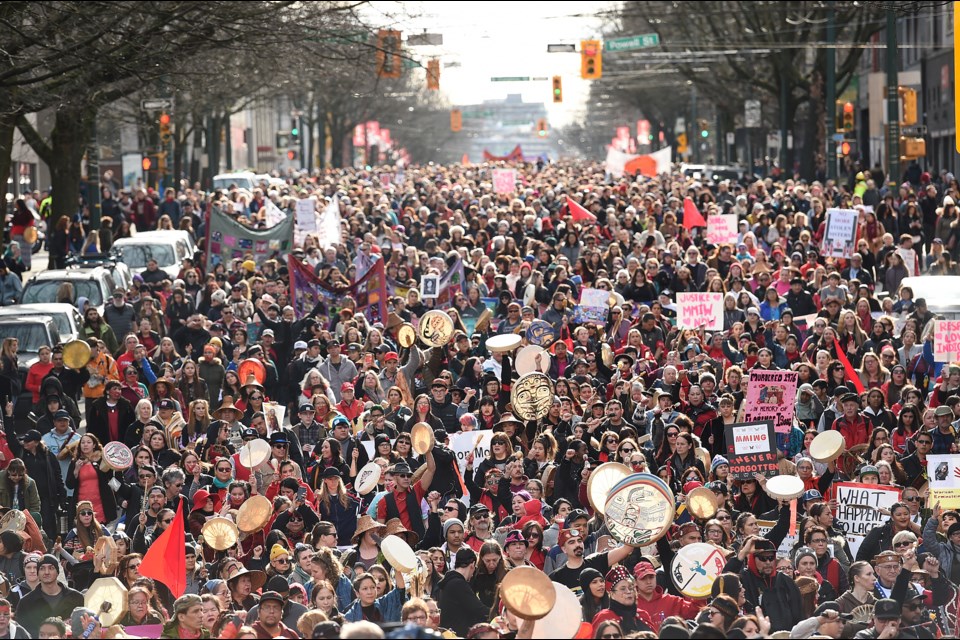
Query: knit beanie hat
(276,551)
(717,461)
(449,523)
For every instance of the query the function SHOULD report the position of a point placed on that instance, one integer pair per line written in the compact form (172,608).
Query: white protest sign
(786,547)
(946,340)
(696,309)
(859,509)
(504,180)
(722,229)
(840,236)
(306,219)
(944,473)
(368,445)
(328,225)
(466,441)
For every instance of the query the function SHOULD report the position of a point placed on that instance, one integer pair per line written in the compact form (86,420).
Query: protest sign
(859,508)
(722,229)
(466,441)
(946,340)
(504,180)
(227,240)
(593,306)
(696,309)
(429,286)
(751,448)
(786,547)
(770,396)
(840,236)
(943,473)
(329,232)
(306,219)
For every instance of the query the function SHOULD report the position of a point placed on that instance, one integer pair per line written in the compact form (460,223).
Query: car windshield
(46,291)
(32,335)
(136,256)
(227,183)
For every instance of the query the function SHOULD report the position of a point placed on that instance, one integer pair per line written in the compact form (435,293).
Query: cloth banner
(227,240)
(514,156)
(451,283)
(616,161)
(722,229)
(943,473)
(858,508)
(751,448)
(369,292)
(946,340)
(840,235)
(700,309)
(771,396)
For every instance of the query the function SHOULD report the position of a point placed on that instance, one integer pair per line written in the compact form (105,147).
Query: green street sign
(632,42)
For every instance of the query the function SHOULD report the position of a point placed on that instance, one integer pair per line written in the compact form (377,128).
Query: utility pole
(830,112)
(693,120)
(93,176)
(893,104)
(782,149)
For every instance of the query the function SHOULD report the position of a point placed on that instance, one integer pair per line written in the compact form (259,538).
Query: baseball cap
(306,406)
(811,494)
(346,385)
(61,415)
(831,605)
(391,355)
(31,436)
(166,404)
(300,344)
(886,609)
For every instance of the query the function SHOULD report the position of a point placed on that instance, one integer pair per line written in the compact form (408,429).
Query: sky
(501,39)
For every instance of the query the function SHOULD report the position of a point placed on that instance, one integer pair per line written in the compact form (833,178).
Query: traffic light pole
(893,106)
(830,112)
(693,120)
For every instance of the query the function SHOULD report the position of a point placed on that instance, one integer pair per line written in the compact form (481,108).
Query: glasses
(611,635)
(86,513)
(627,451)
(404,475)
(256,397)
(283,561)
(133,567)
(913,606)
(673,434)
(145,476)
(765,558)
(723,518)
(913,499)
(901,545)
(279,446)
(167,521)
(450,509)
(924,441)
(636,463)
(225,469)
(612,440)
(710,611)
(819,541)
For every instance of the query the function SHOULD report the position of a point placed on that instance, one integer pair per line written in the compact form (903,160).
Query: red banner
(514,156)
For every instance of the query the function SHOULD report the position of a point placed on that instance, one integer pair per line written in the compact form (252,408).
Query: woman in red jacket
(38,371)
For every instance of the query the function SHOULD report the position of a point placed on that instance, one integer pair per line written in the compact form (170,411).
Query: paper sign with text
(722,229)
(943,473)
(858,509)
(770,396)
(946,340)
(751,448)
(504,180)
(840,236)
(789,542)
(696,309)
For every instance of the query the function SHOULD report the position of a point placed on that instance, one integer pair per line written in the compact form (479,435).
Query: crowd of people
(190,373)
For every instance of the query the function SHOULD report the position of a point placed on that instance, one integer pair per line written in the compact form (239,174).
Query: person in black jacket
(799,299)
(113,409)
(460,608)
(44,468)
(775,592)
(49,600)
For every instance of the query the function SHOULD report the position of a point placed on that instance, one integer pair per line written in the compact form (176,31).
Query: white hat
(947,200)
(299,344)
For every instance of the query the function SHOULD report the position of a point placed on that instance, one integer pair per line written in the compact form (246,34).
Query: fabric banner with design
(307,290)
(228,240)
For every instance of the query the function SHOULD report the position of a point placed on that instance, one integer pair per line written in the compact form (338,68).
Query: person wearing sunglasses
(404,501)
(756,565)
(623,604)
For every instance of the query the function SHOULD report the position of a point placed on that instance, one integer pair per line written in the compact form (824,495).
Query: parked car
(241,180)
(942,293)
(31,332)
(168,248)
(96,284)
(67,318)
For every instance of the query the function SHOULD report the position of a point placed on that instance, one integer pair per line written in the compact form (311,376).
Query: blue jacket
(389,607)
(10,289)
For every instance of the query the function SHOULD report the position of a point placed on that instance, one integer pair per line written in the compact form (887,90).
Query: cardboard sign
(504,180)
(840,236)
(722,229)
(771,396)
(859,508)
(593,306)
(700,309)
(943,472)
(752,448)
(946,340)
(786,547)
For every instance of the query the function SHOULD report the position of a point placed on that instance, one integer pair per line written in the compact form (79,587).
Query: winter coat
(460,608)
(777,594)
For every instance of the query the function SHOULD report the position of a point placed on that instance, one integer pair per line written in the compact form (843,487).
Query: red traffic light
(164,118)
(291,155)
(845,148)
(146,164)
(848,107)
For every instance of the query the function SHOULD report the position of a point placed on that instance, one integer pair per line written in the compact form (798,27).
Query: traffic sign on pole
(630,43)
(156,104)
(561,48)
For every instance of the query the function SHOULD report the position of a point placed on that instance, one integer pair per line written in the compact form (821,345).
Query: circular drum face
(639,512)
(532,396)
(436,328)
(541,334)
(695,567)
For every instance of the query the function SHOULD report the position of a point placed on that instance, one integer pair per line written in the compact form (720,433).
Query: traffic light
(912,147)
(557,89)
(165,128)
(433,75)
(704,128)
(591,61)
(542,127)
(389,64)
(283,139)
(847,148)
(295,131)
(456,120)
(291,154)
(848,117)
(146,163)
(682,143)
(909,98)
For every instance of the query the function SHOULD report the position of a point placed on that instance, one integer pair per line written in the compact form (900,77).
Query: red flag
(691,215)
(851,372)
(579,213)
(165,560)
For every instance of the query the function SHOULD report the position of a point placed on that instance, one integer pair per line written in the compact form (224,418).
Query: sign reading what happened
(700,309)
(770,396)
(751,449)
(858,509)
(946,340)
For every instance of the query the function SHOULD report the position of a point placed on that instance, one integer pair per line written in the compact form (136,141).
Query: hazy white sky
(496,39)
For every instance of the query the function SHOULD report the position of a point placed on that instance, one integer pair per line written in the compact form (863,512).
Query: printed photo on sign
(429,286)
(943,473)
(771,396)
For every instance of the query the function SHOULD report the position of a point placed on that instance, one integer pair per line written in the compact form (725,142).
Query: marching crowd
(198,374)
